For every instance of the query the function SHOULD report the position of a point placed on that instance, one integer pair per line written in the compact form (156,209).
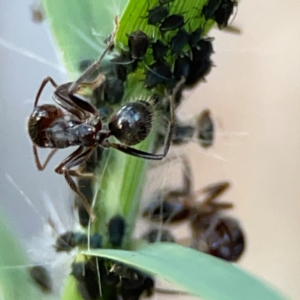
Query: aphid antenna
(10,46)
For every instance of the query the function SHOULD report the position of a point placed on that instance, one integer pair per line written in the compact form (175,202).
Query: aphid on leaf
(138,43)
(116,230)
(41,277)
(206,129)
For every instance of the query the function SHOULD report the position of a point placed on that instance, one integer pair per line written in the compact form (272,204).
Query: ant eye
(132,123)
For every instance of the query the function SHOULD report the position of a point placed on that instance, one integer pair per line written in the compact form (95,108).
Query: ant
(50,127)
(180,205)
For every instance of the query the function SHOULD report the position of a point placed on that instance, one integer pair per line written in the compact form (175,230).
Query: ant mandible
(50,127)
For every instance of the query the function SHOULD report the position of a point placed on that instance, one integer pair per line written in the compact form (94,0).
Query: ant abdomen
(41,118)
(132,123)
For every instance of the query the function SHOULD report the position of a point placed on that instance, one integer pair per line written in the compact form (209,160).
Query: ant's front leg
(40,166)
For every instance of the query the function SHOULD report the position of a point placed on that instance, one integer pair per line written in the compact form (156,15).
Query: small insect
(42,278)
(158,73)
(69,240)
(181,67)
(195,37)
(159,50)
(49,126)
(224,11)
(206,130)
(155,235)
(116,230)
(138,43)
(180,205)
(179,41)
(37,13)
(201,63)
(171,23)
(210,8)
(157,14)
(182,133)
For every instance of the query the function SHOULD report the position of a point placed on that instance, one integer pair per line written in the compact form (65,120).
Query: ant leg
(60,168)
(40,166)
(147,155)
(92,68)
(77,160)
(45,81)
(214,190)
(75,189)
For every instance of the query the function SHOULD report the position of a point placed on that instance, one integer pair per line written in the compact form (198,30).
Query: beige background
(253,89)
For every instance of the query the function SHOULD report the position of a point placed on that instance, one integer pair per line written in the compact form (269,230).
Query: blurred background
(253,94)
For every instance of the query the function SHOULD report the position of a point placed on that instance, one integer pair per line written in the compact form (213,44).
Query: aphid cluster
(117,280)
(212,231)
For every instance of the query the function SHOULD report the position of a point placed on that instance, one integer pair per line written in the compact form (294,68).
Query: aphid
(37,13)
(224,11)
(178,41)
(138,43)
(180,204)
(157,14)
(124,65)
(201,63)
(69,240)
(210,8)
(159,50)
(42,278)
(49,127)
(86,275)
(195,37)
(159,72)
(206,130)
(113,91)
(171,23)
(155,235)
(181,67)
(224,238)
(116,230)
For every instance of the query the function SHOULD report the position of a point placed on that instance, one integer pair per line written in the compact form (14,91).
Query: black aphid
(41,276)
(171,23)
(69,240)
(210,8)
(181,67)
(182,134)
(159,50)
(116,230)
(195,37)
(178,41)
(224,11)
(201,63)
(159,72)
(205,129)
(157,14)
(138,43)
(113,91)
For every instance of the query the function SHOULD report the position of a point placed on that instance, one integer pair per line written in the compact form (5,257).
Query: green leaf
(15,282)
(198,273)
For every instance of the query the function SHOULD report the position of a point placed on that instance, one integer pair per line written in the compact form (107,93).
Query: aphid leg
(45,81)
(38,163)
(92,68)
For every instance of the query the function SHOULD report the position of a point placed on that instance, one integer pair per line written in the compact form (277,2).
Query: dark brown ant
(180,205)
(50,127)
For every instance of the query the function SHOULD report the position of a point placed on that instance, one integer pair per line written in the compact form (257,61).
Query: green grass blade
(200,274)
(15,282)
